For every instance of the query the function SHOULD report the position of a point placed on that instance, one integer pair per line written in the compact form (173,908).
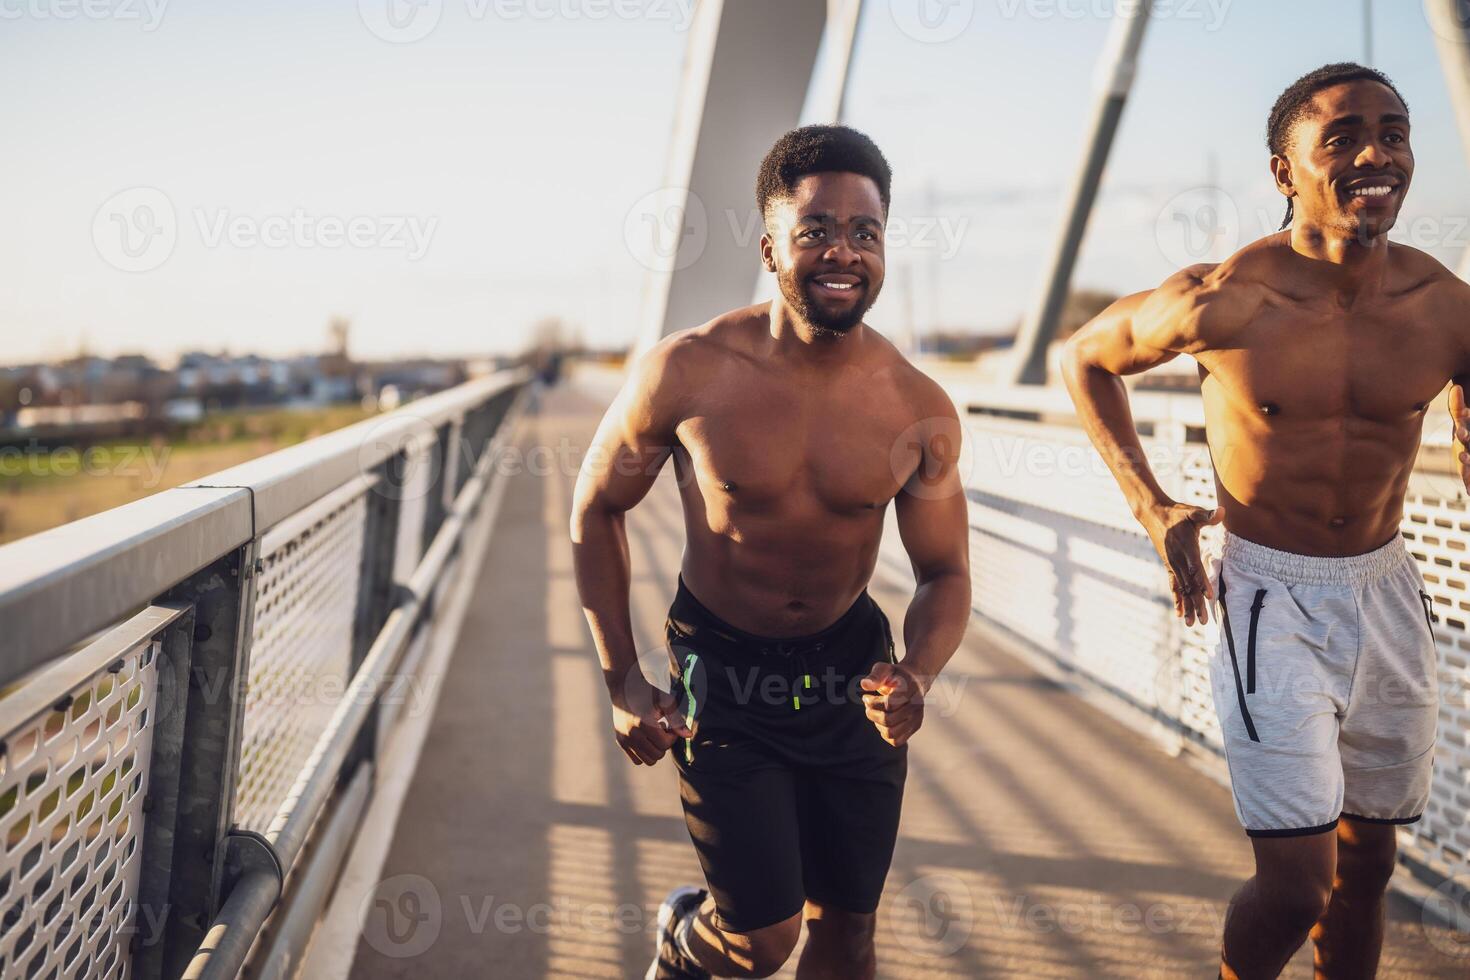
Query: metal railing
(190,707)
(1062,566)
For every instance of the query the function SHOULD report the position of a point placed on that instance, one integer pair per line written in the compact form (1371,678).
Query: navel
(1270,408)
(1338,522)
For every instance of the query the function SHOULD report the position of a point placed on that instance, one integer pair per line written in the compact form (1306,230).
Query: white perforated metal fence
(159,781)
(1059,561)
(78,742)
(301,654)
(1438,530)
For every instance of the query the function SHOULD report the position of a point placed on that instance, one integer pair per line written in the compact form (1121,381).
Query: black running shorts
(789,791)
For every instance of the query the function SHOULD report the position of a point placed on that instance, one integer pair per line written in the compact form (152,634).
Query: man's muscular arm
(1136,333)
(631,445)
(934,524)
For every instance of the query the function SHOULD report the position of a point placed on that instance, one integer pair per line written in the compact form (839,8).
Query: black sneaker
(669,963)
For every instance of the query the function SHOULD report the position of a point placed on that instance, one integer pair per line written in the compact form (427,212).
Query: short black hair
(815,150)
(1293,104)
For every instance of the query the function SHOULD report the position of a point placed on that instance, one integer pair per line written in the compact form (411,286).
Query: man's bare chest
(1384,367)
(763,448)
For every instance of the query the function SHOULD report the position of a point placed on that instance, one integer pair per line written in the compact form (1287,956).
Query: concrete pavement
(1039,839)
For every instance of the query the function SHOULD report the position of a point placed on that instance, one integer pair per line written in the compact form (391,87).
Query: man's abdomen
(783,580)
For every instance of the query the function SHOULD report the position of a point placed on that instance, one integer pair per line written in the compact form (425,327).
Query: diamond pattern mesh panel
(300,659)
(71,823)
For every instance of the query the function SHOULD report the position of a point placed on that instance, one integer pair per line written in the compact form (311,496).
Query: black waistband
(689,610)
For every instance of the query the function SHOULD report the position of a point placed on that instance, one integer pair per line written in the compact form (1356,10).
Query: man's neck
(794,337)
(1349,263)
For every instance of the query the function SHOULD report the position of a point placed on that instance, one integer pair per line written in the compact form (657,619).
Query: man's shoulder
(1201,306)
(695,349)
(1413,271)
(918,390)
(727,334)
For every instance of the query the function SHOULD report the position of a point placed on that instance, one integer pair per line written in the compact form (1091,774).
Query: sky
(446,192)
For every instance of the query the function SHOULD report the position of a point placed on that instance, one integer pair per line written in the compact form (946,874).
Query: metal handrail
(59,587)
(390,499)
(254,896)
(285,481)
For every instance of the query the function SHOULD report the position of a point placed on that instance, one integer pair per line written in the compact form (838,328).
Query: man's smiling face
(1350,159)
(824,241)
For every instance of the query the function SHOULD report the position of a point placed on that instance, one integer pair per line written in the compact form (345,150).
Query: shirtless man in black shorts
(792,426)
(1320,349)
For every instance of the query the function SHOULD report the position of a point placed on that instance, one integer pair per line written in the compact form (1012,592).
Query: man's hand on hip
(1174,530)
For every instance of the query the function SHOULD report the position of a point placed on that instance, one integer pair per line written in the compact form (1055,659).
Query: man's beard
(799,298)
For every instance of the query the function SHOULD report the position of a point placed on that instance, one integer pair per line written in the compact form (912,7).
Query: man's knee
(1295,902)
(840,936)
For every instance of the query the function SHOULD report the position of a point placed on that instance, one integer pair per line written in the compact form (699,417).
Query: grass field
(47,488)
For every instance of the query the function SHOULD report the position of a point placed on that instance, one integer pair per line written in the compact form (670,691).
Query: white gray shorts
(1325,683)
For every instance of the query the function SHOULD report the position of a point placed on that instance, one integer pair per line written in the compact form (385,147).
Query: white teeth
(1371,192)
(837,285)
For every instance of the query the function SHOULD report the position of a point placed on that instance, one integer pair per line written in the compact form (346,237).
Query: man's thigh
(849,826)
(742,815)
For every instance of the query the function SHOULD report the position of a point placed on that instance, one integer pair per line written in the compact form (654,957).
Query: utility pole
(1368,33)
(1117,69)
(1452,37)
